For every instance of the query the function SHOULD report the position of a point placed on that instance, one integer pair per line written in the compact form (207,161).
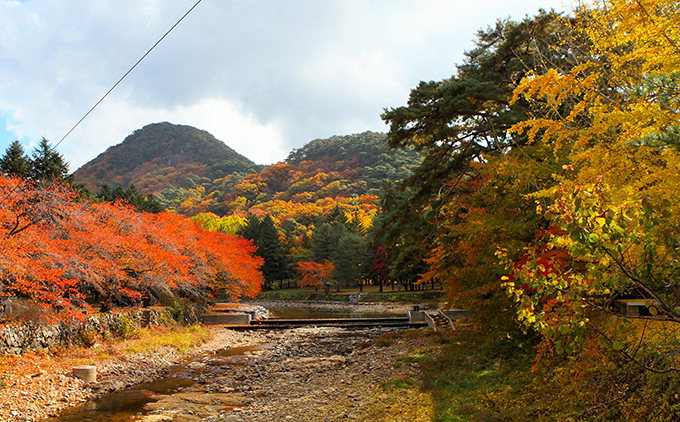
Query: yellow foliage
(615,117)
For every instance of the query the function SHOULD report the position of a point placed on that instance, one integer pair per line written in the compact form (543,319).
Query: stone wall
(18,337)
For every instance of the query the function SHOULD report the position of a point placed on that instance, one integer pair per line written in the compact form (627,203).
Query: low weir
(244,317)
(281,323)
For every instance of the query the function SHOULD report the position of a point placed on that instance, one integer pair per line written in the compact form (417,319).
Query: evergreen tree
(265,236)
(325,240)
(130,194)
(47,164)
(15,162)
(337,216)
(402,230)
(337,242)
(349,258)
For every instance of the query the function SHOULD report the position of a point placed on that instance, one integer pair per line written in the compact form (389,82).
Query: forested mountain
(161,156)
(366,153)
(191,172)
(340,166)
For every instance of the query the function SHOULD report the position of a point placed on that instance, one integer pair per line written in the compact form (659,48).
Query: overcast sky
(263,76)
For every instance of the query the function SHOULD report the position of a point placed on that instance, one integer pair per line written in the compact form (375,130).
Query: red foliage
(54,251)
(379,268)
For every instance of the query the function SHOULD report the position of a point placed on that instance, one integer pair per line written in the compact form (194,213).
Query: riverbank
(329,374)
(36,385)
(302,374)
(305,374)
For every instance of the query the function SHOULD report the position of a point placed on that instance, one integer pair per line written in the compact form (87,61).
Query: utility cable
(54,147)
(127,73)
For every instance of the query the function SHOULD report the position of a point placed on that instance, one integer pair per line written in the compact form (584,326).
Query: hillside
(341,168)
(161,156)
(367,153)
(191,172)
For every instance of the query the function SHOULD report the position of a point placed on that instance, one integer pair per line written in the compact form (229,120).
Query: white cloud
(224,119)
(262,76)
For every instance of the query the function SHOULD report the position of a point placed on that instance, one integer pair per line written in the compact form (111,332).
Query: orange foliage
(314,274)
(55,251)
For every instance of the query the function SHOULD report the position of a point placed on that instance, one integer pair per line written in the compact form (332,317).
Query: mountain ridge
(190,172)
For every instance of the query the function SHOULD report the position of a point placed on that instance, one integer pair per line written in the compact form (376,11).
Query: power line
(127,73)
(54,147)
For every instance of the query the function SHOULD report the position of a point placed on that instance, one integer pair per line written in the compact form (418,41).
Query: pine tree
(132,196)
(47,164)
(349,257)
(325,240)
(15,162)
(265,236)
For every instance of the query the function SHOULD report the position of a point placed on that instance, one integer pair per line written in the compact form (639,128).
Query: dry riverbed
(309,374)
(305,374)
(40,384)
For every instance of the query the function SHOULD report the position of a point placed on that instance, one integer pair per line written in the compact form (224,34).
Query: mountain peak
(162,155)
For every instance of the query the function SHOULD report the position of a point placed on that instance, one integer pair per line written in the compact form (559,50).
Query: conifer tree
(15,162)
(265,236)
(47,164)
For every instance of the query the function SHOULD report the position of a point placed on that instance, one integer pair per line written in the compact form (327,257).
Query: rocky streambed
(305,374)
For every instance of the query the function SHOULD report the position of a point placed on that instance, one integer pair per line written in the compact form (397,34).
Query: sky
(263,76)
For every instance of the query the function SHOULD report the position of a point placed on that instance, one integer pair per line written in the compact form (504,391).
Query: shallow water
(292,313)
(128,405)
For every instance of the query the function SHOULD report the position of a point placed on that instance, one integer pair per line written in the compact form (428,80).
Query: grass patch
(474,370)
(415,358)
(400,383)
(180,338)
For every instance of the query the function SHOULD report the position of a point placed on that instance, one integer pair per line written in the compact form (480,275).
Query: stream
(131,404)
(216,385)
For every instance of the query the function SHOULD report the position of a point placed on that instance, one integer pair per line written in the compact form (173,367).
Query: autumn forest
(537,187)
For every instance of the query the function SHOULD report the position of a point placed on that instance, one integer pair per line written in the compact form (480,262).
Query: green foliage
(47,164)
(127,327)
(350,259)
(366,152)
(179,311)
(458,120)
(130,195)
(402,383)
(161,156)
(15,162)
(348,250)
(402,230)
(265,236)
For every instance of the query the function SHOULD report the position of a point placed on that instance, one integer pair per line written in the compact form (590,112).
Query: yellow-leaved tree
(616,211)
